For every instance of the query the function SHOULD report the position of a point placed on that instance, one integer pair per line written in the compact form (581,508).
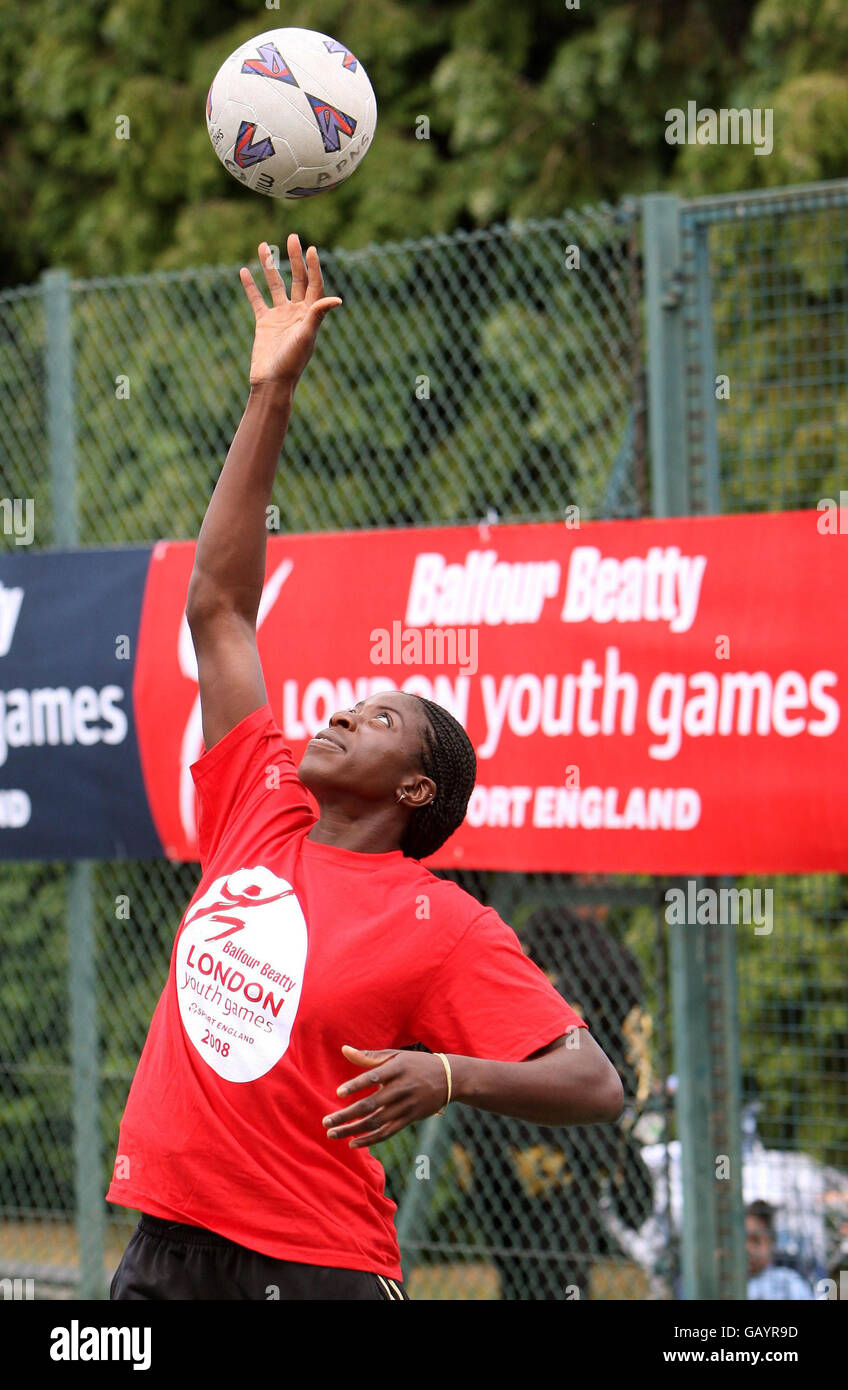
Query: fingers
(385,1132)
(316,277)
(365,1082)
(378,1115)
(356,1120)
(301,276)
(307,276)
(357,1110)
(371,1077)
(272,275)
(363,1056)
(323,307)
(254,298)
(372,1127)
(307,281)
(353,1117)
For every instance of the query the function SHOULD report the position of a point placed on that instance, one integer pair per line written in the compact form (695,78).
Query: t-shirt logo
(240,961)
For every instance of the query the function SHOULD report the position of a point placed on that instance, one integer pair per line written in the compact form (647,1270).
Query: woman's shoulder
(449,897)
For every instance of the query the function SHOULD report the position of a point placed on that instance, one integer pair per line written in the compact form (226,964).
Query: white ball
(291,113)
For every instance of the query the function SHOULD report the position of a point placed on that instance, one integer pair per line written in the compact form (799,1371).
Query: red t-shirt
(289,949)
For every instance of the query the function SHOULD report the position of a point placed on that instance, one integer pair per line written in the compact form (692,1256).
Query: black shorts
(168,1261)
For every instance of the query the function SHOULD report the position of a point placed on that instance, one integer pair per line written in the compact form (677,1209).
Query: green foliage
(778,289)
(531,108)
(36,1165)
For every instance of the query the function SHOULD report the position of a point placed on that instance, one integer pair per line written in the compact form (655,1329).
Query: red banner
(655,696)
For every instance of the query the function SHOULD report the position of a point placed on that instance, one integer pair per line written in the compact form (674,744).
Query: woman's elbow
(601,1098)
(611,1096)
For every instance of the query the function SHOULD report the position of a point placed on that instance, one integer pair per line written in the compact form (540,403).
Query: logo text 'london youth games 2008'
(239,971)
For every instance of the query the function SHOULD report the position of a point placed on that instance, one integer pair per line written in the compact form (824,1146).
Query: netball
(291,113)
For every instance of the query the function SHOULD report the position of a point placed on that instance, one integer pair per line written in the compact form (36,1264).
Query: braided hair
(447,755)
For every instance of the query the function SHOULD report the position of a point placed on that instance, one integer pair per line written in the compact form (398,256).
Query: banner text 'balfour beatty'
(657,696)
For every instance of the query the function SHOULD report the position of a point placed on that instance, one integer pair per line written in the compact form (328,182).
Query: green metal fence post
(691,1022)
(90,1220)
(61,432)
(718,1195)
(416,1201)
(668,435)
(90,1217)
(706,1044)
(730,1208)
(666,355)
(708,421)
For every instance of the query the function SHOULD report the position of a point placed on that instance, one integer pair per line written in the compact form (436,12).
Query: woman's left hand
(410,1085)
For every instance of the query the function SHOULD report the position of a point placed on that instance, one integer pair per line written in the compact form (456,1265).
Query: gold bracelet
(446,1065)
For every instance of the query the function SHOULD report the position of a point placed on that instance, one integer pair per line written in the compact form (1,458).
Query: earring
(402,797)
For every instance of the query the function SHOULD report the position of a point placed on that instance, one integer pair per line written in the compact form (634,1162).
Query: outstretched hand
(285,334)
(410,1086)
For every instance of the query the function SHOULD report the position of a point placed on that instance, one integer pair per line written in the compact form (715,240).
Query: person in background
(766,1280)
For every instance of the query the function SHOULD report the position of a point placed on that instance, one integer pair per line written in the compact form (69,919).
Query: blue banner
(71,785)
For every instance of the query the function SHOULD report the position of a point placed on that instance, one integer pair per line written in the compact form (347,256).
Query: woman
(318,957)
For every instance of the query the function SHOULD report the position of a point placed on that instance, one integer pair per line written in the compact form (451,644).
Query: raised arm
(229,565)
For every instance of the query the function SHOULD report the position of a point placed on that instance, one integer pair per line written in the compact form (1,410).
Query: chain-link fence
(764,298)
(502,375)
